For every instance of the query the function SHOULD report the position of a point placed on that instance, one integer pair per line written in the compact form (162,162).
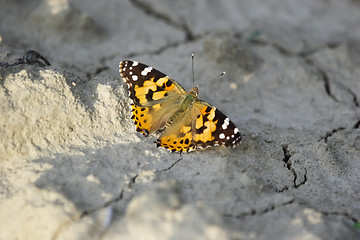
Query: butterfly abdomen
(185,106)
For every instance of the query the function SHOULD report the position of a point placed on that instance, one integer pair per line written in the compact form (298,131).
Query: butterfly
(160,103)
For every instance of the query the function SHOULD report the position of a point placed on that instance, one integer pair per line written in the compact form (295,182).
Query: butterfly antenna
(219,76)
(192,67)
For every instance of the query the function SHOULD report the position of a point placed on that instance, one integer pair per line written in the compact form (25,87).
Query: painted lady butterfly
(159,102)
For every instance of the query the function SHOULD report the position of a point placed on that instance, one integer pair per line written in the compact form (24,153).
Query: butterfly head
(194,91)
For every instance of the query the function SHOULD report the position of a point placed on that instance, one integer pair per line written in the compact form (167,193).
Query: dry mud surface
(73,167)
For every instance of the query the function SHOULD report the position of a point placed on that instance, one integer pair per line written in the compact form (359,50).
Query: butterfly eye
(194,91)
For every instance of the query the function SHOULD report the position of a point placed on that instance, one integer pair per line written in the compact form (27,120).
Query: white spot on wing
(135,64)
(221,136)
(226,123)
(236,130)
(134,77)
(146,71)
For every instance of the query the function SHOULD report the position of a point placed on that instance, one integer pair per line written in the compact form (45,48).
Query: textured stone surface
(73,167)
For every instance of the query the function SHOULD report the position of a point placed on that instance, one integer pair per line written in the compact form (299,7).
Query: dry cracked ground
(73,167)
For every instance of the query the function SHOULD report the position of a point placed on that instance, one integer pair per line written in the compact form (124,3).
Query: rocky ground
(72,165)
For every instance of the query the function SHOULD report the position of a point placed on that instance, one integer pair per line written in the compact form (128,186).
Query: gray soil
(72,165)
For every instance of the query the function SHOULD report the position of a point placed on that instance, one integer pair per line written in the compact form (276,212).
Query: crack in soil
(302,182)
(162,49)
(132,181)
(115,200)
(105,205)
(156,51)
(172,165)
(355,100)
(288,164)
(78,217)
(304,55)
(343,214)
(347,215)
(324,74)
(150,10)
(274,207)
(324,77)
(357,125)
(261,211)
(329,134)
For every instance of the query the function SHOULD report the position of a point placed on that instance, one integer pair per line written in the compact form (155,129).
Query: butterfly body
(185,105)
(158,102)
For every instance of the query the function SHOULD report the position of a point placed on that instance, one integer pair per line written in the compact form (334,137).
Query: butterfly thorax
(186,104)
(194,91)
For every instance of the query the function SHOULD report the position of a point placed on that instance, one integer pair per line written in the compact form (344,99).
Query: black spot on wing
(201,129)
(149,95)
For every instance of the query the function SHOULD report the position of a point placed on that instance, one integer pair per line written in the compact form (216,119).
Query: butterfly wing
(201,126)
(213,128)
(153,95)
(178,137)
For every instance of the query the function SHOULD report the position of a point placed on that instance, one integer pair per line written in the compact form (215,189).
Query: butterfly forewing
(147,84)
(152,94)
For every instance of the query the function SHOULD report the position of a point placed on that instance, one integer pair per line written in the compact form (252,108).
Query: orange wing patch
(205,125)
(180,142)
(152,90)
(150,119)
(148,91)
(166,83)
(142,119)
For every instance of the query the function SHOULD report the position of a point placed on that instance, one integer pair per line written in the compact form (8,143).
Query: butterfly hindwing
(213,128)
(178,137)
(177,141)
(155,116)
(201,126)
